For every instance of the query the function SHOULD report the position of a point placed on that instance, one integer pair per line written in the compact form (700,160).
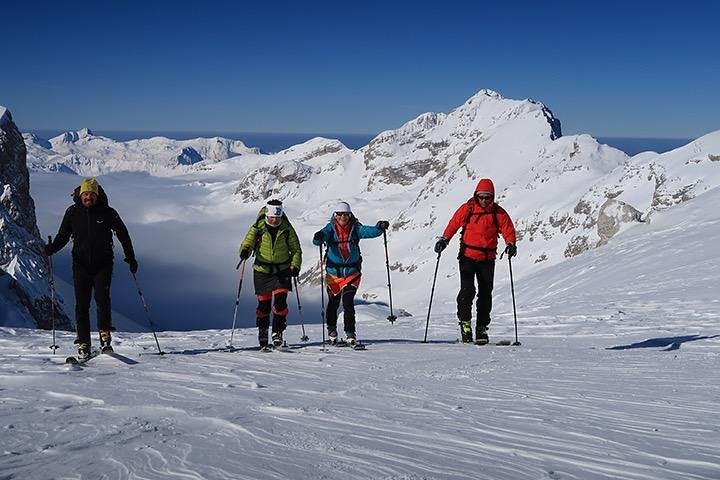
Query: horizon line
(317,133)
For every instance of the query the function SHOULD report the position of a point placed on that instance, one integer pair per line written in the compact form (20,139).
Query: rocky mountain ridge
(24,287)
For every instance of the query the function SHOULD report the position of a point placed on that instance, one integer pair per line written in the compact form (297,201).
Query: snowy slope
(616,378)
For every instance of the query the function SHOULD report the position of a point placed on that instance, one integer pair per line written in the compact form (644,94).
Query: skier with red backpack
(482,222)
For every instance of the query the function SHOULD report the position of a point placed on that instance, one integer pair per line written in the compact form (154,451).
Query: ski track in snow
(557,407)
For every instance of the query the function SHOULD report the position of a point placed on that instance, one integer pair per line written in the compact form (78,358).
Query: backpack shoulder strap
(467,217)
(260,227)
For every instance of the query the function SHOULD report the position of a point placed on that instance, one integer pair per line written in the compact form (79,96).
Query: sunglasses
(484,197)
(342,214)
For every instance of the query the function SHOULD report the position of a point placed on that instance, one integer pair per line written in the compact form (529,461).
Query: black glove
(294,271)
(133,264)
(511,250)
(48,250)
(244,254)
(318,237)
(383,225)
(441,244)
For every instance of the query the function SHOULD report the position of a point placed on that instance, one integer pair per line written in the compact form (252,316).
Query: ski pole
(237,300)
(390,317)
(322,295)
(304,337)
(147,312)
(52,297)
(432,292)
(512,291)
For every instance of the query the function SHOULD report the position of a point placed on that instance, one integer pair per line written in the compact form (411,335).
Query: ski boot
(481,336)
(277,339)
(466,332)
(351,338)
(105,340)
(83,350)
(263,337)
(333,337)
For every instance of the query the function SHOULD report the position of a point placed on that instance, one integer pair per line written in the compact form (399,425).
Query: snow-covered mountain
(567,195)
(87,154)
(25,297)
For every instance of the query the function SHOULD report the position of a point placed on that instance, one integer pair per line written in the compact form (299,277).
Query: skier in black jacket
(90,221)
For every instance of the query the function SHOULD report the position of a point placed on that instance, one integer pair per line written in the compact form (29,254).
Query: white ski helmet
(342,207)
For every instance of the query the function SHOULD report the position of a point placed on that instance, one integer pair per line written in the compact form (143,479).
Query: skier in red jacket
(482,222)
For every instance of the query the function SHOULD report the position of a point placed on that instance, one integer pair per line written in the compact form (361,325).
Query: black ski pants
(272,290)
(277,299)
(347,295)
(470,272)
(85,281)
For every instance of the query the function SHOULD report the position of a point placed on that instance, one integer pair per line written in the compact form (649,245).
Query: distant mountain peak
(73,136)
(483,95)
(314,147)
(4,115)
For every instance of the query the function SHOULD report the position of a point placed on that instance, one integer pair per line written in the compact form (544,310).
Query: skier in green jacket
(278,257)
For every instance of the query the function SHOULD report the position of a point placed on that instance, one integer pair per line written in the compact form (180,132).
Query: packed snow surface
(616,377)
(631,402)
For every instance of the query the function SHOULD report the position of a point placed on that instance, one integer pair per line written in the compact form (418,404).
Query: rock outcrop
(25,298)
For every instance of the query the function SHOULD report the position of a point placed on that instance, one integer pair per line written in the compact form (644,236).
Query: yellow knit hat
(89,185)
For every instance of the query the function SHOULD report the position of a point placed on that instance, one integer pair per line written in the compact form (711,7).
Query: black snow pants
(347,295)
(482,272)
(85,281)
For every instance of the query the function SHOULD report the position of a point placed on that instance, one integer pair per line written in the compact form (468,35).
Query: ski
(276,348)
(343,343)
(499,343)
(81,360)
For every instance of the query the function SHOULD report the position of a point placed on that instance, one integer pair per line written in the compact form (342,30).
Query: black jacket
(91,230)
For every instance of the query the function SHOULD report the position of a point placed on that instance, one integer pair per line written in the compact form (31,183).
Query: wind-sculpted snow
(625,401)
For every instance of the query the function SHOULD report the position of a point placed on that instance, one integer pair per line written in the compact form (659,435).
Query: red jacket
(480,238)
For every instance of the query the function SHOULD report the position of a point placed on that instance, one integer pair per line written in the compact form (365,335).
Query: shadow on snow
(293,346)
(672,343)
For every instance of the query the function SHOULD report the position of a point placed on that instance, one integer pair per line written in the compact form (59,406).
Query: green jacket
(269,257)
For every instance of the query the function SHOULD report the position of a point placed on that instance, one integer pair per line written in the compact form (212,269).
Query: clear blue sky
(632,69)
